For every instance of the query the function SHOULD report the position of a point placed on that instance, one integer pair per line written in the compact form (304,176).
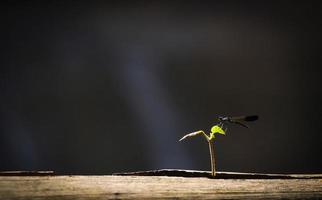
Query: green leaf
(217,129)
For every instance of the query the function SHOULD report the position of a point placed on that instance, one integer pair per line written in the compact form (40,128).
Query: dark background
(96,88)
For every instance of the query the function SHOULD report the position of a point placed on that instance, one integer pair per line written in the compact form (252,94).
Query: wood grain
(155,187)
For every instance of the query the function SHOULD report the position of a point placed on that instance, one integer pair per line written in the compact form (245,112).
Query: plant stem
(212,157)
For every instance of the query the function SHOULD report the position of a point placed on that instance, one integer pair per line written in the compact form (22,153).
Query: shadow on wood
(219,175)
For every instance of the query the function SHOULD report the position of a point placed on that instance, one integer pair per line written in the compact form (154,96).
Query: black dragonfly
(240,120)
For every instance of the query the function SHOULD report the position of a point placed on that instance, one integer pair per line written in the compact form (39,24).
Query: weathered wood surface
(155,187)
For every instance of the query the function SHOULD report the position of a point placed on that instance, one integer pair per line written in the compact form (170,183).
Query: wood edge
(27,173)
(219,175)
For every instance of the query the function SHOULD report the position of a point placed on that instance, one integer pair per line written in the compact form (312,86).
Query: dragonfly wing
(248,118)
(240,123)
(251,118)
(238,118)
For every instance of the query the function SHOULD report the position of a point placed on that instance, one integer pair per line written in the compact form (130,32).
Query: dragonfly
(240,120)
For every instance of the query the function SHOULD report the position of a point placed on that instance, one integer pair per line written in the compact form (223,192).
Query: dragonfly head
(223,119)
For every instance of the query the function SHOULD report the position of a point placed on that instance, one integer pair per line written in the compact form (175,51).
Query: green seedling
(210,138)
(218,129)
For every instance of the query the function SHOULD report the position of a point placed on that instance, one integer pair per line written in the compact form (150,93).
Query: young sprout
(218,129)
(215,129)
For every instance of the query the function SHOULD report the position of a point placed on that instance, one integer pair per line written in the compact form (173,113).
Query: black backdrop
(95,88)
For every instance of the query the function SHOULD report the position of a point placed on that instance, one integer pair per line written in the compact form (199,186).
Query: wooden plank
(155,187)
